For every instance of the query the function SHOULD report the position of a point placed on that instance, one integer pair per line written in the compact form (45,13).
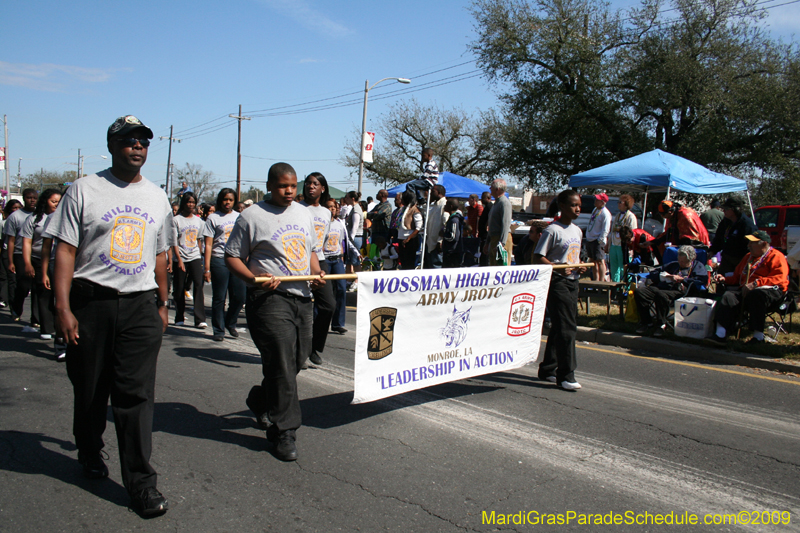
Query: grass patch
(787,347)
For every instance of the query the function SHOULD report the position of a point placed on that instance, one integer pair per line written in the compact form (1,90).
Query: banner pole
(354,276)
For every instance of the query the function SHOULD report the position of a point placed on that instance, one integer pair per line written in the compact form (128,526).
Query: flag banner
(2,158)
(418,328)
(366,146)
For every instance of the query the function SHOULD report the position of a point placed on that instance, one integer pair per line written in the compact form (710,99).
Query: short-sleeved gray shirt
(276,240)
(118,228)
(219,228)
(187,231)
(561,244)
(13,226)
(34,233)
(322,222)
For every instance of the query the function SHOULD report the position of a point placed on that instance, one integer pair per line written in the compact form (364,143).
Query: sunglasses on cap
(130,142)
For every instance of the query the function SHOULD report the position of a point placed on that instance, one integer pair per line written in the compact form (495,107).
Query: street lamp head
(403,80)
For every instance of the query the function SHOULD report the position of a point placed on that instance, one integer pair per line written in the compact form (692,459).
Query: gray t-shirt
(500,218)
(322,221)
(13,226)
(186,233)
(118,228)
(276,240)
(219,228)
(34,233)
(561,244)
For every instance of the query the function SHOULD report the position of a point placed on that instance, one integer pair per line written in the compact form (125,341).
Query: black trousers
(756,303)
(562,308)
(280,326)
(653,296)
(408,254)
(116,355)
(24,286)
(194,271)
(6,289)
(44,298)
(324,306)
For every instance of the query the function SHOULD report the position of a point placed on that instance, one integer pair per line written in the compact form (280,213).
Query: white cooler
(694,317)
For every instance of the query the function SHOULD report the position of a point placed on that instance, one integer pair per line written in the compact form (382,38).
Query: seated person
(635,238)
(759,281)
(673,281)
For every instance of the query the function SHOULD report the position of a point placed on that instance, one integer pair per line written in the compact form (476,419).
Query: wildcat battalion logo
(455,331)
(127,239)
(190,237)
(381,332)
(294,245)
(521,314)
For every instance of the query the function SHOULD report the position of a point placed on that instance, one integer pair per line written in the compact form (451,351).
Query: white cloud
(50,77)
(302,12)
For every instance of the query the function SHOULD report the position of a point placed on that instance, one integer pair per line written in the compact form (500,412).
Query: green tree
(463,143)
(47,179)
(254,193)
(588,86)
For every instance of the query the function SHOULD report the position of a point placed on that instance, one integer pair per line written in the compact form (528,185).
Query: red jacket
(473,214)
(774,270)
(689,226)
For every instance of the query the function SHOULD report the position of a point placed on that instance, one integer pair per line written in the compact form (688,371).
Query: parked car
(774,219)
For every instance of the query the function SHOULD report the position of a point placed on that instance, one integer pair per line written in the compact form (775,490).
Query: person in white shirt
(597,236)
(618,251)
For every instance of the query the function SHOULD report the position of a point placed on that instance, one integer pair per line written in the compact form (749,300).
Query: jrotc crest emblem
(294,245)
(190,237)
(381,332)
(127,239)
(521,314)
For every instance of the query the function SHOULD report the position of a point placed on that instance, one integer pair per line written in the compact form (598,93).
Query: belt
(333,257)
(92,289)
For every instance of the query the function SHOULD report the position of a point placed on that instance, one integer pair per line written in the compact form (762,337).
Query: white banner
(366,146)
(418,328)
(2,158)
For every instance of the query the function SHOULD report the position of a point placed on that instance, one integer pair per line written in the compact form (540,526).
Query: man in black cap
(114,229)
(731,238)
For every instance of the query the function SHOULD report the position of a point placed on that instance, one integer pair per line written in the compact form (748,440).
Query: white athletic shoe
(30,329)
(570,385)
(45,336)
(188,295)
(551,379)
(202,325)
(180,323)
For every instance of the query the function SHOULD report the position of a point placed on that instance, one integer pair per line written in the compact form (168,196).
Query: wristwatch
(162,303)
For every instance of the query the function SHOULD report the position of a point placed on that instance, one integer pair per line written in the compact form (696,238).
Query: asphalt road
(644,435)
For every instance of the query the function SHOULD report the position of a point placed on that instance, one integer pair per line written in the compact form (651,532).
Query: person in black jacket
(731,238)
(452,245)
(672,282)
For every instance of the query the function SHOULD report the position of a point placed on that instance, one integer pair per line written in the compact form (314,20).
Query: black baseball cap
(733,203)
(127,124)
(759,235)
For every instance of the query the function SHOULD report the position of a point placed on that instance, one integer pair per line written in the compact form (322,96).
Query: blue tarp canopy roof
(657,171)
(455,186)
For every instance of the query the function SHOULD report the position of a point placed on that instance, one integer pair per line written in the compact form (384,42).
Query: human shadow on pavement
(25,453)
(514,379)
(218,355)
(29,343)
(187,421)
(334,410)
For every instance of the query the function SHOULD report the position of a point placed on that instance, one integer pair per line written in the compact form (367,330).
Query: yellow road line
(695,365)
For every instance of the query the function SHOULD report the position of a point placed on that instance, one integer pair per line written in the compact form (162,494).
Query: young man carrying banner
(560,243)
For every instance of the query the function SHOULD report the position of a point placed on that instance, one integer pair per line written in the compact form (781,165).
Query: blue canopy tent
(659,171)
(455,185)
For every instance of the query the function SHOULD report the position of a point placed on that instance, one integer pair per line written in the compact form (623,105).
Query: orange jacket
(774,270)
(689,226)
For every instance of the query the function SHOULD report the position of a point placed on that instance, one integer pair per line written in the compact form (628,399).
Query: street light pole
(367,89)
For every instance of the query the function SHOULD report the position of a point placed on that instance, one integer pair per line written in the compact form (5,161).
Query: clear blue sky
(70,68)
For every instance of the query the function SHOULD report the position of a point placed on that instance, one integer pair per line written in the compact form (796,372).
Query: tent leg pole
(667,198)
(425,232)
(644,210)
(749,201)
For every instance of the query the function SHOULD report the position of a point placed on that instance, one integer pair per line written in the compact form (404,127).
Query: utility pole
(80,166)
(167,184)
(5,152)
(240,118)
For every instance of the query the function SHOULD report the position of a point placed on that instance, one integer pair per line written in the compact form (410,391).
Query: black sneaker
(315,358)
(340,330)
(218,338)
(233,332)
(285,448)
(149,502)
(93,465)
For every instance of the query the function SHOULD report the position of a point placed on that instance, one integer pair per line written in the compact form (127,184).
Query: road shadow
(26,453)
(335,410)
(218,355)
(187,421)
(508,378)
(30,343)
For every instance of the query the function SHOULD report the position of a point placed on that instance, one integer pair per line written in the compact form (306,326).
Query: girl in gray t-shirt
(186,261)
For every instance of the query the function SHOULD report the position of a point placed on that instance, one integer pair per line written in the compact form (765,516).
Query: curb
(686,351)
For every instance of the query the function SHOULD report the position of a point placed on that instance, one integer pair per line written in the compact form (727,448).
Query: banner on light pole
(2,158)
(366,146)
